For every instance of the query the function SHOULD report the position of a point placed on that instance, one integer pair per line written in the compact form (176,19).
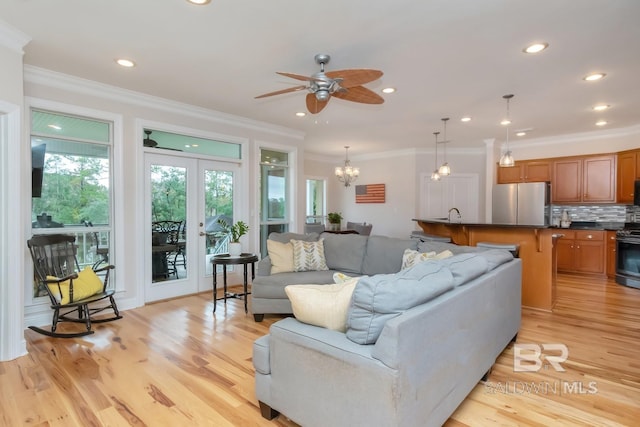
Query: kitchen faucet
(457,211)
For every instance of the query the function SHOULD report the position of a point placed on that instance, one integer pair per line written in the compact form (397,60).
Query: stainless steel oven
(628,256)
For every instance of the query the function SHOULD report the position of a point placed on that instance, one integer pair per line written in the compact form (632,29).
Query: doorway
(185,197)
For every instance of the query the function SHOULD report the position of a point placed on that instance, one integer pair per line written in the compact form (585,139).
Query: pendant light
(435,176)
(506,160)
(445,170)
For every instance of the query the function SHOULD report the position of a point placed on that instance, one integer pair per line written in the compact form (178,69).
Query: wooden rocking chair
(70,290)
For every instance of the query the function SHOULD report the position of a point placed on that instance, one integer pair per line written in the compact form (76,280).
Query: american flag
(372,193)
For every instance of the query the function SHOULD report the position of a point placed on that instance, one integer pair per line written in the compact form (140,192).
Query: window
(71,181)
(315,201)
(274,187)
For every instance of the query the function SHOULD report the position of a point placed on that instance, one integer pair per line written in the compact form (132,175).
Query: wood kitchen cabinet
(628,171)
(525,171)
(584,179)
(581,251)
(611,254)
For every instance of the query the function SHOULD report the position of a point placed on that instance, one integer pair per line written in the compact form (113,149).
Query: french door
(184,198)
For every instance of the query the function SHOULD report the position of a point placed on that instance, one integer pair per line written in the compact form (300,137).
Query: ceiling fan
(343,84)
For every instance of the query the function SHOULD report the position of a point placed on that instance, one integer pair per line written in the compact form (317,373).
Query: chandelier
(347,173)
(506,160)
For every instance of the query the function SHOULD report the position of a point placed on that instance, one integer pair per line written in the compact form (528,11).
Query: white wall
(12,185)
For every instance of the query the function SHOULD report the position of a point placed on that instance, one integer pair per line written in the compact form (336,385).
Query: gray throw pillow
(345,252)
(377,299)
(384,254)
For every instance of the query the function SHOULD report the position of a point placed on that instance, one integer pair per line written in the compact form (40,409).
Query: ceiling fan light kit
(343,84)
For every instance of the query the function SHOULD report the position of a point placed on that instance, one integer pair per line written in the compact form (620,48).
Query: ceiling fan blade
(360,94)
(298,77)
(354,77)
(279,92)
(313,105)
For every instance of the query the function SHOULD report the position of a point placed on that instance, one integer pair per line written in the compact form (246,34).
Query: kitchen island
(537,251)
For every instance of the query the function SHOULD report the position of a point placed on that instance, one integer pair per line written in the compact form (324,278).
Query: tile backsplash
(598,213)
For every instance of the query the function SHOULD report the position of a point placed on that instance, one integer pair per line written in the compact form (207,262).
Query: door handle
(202,233)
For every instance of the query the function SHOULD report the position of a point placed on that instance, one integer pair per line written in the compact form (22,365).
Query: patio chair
(165,236)
(70,290)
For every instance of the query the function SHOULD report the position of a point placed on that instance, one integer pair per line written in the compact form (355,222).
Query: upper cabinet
(628,172)
(584,179)
(525,171)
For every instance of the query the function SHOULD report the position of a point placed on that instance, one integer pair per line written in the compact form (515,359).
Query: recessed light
(601,123)
(465,119)
(301,114)
(388,90)
(535,48)
(594,76)
(187,146)
(195,145)
(199,2)
(56,127)
(126,62)
(600,107)
(521,133)
(505,122)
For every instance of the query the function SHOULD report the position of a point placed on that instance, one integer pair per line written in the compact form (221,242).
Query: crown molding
(578,137)
(13,38)
(41,76)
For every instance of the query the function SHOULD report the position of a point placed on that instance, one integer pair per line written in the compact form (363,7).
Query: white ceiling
(447,58)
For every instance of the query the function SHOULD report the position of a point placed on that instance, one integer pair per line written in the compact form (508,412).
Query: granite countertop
(476,224)
(576,225)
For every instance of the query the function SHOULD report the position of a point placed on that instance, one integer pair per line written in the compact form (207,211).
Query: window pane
(190,144)
(70,183)
(56,125)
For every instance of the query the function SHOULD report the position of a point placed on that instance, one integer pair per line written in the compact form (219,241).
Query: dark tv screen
(37,169)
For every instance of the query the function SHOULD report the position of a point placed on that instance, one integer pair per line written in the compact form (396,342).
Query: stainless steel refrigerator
(522,204)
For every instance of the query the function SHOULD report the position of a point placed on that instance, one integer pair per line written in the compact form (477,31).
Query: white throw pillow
(281,255)
(340,277)
(308,256)
(322,305)
(411,257)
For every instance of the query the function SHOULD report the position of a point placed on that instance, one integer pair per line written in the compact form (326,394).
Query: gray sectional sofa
(417,342)
(351,254)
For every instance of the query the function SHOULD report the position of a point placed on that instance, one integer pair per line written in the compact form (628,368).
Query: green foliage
(74,188)
(334,217)
(236,231)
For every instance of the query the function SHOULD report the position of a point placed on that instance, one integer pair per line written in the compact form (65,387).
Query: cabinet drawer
(567,234)
(593,235)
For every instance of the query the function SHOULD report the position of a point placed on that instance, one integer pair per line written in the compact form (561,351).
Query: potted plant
(334,218)
(235,232)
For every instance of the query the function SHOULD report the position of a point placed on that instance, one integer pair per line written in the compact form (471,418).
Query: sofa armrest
(264,267)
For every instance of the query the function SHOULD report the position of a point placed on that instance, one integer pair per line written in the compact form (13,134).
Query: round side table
(243,259)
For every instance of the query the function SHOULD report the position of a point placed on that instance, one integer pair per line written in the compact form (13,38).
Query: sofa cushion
(345,252)
(376,299)
(411,257)
(281,256)
(466,267)
(431,246)
(272,286)
(308,256)
(384,254)
(496,257)
(322,305)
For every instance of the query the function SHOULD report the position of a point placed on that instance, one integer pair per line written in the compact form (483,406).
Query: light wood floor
(176,363)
